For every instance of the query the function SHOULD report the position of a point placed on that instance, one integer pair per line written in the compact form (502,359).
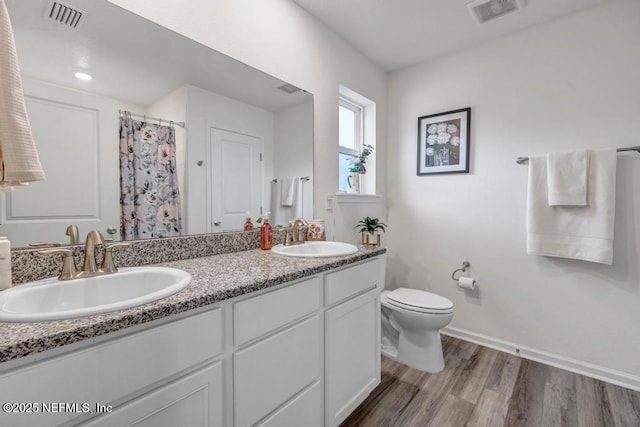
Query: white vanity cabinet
(193,400)
(283,358)
(352,344)
(70,386)
(304,353)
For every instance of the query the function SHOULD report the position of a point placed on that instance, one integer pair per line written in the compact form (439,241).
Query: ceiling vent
(486,10)
(288,88)
(64,14)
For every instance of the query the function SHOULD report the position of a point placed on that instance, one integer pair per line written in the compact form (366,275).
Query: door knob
(217,223)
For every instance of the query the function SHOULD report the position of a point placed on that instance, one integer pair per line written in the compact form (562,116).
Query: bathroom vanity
(255,339)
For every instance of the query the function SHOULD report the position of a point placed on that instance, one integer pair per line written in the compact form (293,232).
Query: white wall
(207,109)
(280,38)
(570,84)
(293,149)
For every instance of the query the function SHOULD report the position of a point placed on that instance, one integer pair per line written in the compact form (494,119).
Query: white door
(76,135)
(235,179)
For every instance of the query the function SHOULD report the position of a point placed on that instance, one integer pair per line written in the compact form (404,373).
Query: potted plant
(358,168)
(369,227)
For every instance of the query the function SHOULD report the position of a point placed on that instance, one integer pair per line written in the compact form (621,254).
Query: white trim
(358,111)
(573,365)
(357,198)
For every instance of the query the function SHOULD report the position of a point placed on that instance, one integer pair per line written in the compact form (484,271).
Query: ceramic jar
(316,230)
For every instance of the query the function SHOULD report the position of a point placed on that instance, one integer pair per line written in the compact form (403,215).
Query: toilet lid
(419,300)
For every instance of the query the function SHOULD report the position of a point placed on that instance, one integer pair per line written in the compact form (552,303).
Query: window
(356,128)
(349,138)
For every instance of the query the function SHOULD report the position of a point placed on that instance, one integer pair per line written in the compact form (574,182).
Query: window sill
(357,198)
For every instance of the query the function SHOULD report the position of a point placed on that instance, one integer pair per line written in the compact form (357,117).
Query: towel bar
(523,160)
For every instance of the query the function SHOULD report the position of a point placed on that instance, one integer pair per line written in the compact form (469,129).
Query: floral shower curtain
(149,196)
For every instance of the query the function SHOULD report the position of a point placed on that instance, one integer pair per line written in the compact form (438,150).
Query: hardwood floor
(484,387)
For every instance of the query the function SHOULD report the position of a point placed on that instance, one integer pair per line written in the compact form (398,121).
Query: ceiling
(139,62)
(396,34)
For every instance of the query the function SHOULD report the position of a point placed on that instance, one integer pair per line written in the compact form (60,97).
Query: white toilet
(411,323)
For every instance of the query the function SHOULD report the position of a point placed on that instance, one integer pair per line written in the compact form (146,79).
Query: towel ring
(465,265)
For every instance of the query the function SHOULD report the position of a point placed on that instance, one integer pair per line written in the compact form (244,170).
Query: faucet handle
(68,265)
(108,266)
(44,244)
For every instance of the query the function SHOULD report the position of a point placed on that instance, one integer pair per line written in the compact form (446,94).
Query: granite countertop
(214,279)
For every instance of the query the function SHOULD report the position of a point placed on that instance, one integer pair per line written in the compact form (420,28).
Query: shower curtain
(149,196)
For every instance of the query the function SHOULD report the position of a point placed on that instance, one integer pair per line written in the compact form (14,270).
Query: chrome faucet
(296,232)
(72,232)
(90,266)
(93,238)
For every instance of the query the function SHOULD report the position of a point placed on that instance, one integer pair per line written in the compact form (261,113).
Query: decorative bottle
(266,233)
(248,225)
(5,263)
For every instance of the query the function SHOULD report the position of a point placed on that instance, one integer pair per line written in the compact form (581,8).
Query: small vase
(368,239)
(353,183)
(316,230)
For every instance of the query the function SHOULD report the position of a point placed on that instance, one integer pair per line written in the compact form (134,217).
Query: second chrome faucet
(296,232)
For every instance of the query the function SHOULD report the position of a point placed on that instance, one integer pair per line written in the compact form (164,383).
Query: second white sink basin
(316,249)
(53,299)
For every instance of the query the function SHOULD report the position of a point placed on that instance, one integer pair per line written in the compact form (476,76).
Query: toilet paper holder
(465,265)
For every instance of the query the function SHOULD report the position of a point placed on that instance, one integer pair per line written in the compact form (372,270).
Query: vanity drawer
(303,410)
(351,281)
(112,369)
(272,371)
(256,316)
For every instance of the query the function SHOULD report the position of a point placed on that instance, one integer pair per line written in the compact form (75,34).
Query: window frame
(359,133)
(367,135)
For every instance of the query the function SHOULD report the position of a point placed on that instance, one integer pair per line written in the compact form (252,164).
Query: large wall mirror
(246,145)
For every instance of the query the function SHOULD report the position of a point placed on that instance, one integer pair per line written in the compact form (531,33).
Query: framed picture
(443,142)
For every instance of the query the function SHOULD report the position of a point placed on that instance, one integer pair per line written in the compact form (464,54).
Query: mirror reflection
(159,136)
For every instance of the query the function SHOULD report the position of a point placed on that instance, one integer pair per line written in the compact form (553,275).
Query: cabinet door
(352,354)
(194,400)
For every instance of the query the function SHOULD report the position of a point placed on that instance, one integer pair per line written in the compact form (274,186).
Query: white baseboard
(579,367)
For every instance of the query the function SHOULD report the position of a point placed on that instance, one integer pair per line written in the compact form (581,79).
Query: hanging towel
(580,233)
(19,161)
(567,174)
(296,207)
(288,189)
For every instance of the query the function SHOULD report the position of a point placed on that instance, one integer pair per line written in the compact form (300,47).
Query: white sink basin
(315,249)
(53,299)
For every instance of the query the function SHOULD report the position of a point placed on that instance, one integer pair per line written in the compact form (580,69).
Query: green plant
(370,225)
(358,163)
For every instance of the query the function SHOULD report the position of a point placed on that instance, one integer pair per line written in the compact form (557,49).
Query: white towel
(567,232)
(567,178)
(288,190)
(19,161)
(280,213)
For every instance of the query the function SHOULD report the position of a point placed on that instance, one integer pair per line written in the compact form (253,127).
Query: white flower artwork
(443,143)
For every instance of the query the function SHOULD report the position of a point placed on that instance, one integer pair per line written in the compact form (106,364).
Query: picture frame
(444,142)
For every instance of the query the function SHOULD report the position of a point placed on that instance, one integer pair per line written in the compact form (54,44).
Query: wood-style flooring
(484,387)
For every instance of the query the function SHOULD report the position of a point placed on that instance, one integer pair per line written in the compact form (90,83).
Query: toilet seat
(419,301)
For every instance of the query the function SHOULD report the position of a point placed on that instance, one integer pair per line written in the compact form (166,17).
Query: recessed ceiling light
(83,76)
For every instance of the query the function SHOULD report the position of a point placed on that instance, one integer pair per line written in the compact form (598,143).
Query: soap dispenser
(248,225)
(266,233)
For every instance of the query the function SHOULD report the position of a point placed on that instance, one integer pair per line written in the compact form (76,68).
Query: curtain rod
(523,160)
(302,178)
(155,119)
